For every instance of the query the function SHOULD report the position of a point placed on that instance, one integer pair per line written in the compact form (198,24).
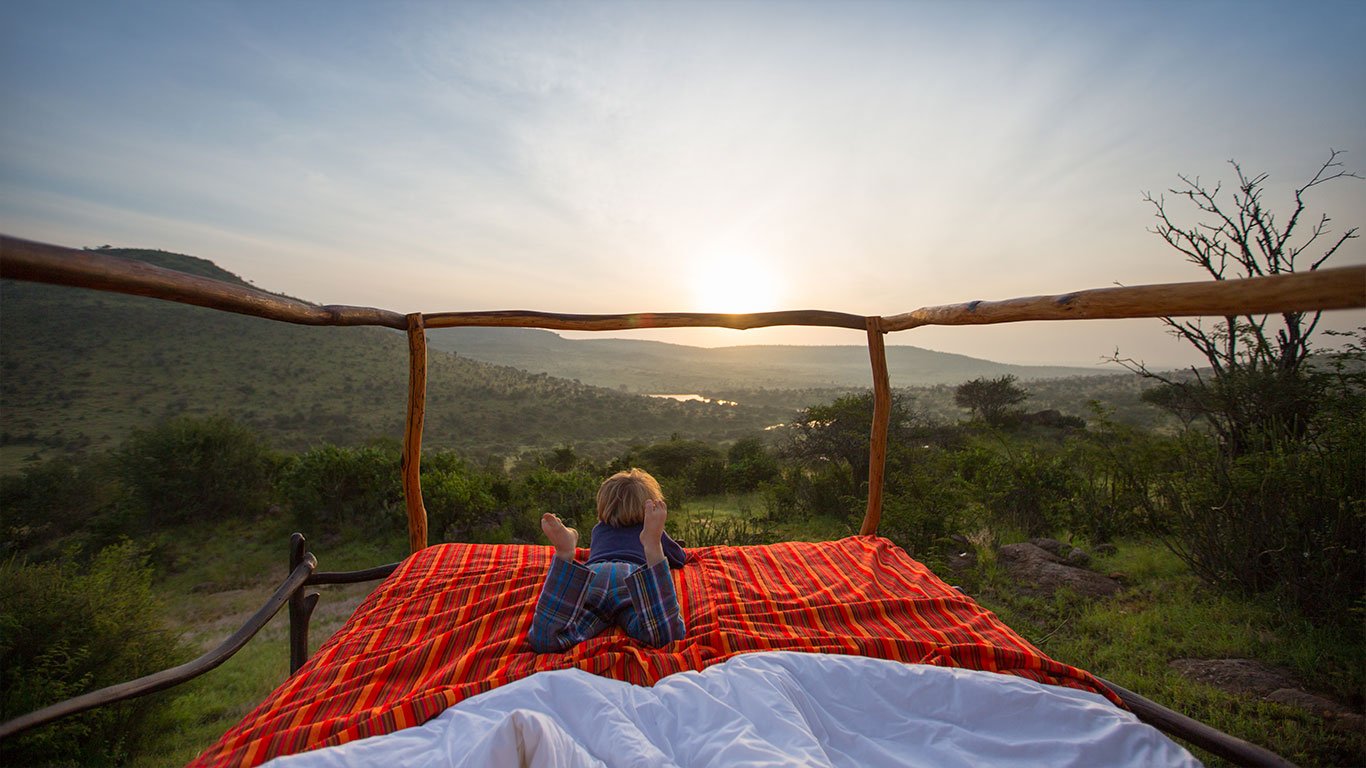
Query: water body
(698,398)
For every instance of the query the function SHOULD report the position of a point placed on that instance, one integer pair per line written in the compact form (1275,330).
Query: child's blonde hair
(622,497)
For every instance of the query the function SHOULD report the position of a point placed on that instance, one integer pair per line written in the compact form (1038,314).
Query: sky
(861,157)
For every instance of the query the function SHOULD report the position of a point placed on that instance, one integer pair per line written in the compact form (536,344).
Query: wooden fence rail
(1337,288)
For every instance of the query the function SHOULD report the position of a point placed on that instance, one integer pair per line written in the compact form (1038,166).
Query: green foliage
(191,469)
(1290,521)
(838,434)
(572,496)
(824,490)
(749,464)
(675,458)
(460,500)
(1025,488)
(60,503)
(705,530)
(925,500)
(991,399)
(332,490)
(1116,470)
(67,630)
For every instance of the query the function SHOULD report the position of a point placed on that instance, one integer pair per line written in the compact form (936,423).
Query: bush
(1116,470)
(332,489)
(748,464)
(1025,490)
(824,490)
(924,500)
(191,469)
(460,500)
(64,631)
(60,502)
(675,458)
(570,495)
(1290,522)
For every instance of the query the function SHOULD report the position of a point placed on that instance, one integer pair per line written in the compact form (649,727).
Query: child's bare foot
(652,534)
(563,538)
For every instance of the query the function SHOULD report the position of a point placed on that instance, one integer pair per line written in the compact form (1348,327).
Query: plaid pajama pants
(581,601)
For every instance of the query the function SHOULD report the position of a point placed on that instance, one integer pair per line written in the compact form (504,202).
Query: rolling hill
(659,367)
(80,369)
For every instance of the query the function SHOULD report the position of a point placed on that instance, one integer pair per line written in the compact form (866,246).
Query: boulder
(1246,676)
(1041,573)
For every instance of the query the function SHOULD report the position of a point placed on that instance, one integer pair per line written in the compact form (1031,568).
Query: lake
(698,398)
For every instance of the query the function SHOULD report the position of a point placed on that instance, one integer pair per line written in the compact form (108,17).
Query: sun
(735,285)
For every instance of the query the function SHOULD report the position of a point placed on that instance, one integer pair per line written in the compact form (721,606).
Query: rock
(962,561)
(1078,558)
(1105,550)
(1041,573)
(1245,676)
(1294,697)
(1051,546)
(1253,678)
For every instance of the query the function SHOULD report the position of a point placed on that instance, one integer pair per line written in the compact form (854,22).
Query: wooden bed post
(882,412)
(412,432)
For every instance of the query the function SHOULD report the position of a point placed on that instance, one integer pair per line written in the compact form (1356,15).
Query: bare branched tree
(1255,363)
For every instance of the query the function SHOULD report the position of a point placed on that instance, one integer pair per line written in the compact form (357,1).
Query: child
(626,580)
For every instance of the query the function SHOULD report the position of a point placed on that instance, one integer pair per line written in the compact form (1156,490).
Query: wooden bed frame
(1339,288)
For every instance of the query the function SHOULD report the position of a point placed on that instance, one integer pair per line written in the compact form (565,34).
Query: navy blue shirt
(623,545)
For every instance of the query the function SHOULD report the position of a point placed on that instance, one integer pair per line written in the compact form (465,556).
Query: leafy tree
(1257,388)
(839,433)
(191,469)
(990,399)
(749,463)
(67,629)
(1274,501)
(674,458)
(337,489)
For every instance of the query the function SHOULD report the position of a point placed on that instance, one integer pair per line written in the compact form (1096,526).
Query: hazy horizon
(867,157)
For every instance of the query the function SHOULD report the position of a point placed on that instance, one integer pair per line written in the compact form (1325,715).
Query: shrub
(335,489)
(191,469)
(1026,489)
(460,500)
(924,499)
(748,463)
(1116,469)
(1290,522)
(673,459)
(64,631)
(59,502)
(570,495)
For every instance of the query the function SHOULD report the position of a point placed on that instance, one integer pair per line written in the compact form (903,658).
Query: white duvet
(771,709)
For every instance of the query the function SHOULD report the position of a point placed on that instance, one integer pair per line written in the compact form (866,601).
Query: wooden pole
(1337,288)
(882,413)
(42,263)
(525,318)
(412,432)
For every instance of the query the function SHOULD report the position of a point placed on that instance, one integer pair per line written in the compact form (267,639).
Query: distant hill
(658,367)
(79,369)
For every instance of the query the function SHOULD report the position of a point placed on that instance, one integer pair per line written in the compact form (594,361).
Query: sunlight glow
(735,285)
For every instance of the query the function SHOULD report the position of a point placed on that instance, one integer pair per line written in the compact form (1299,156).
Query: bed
(440,643)
(448,627)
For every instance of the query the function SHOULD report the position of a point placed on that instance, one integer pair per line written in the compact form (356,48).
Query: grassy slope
(652,366)
(80,369)
(1164,614)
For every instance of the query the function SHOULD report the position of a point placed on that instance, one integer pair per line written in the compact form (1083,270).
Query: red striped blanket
(451,622)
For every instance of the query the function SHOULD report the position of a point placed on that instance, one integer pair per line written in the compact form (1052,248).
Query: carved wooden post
(412,432)
(882,413)
(301,607)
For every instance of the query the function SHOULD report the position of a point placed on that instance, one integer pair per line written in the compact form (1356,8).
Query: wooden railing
(1324,289)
